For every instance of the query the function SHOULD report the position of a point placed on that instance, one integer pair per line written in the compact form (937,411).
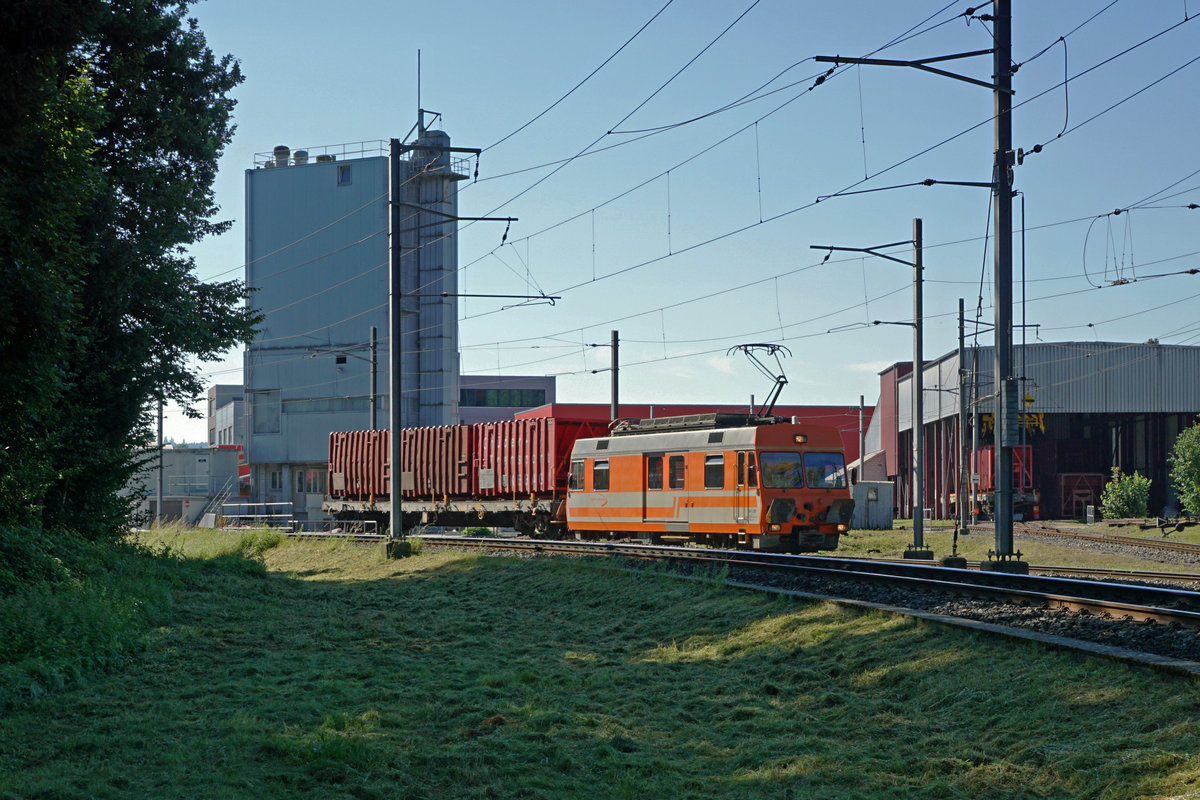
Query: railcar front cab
(803,492)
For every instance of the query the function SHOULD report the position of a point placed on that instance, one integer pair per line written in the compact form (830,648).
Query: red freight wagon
(437,462)
(1022,456)
(358,465)
(529,456)
(1026,499)
(511,474)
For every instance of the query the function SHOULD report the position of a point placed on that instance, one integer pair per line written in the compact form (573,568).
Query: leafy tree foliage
(1125,496)
(1185,468)
(112,138)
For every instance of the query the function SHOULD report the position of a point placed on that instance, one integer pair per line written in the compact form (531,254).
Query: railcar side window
(825,470)
(599,476)
(654,474)
(576,482)
(714,472)
(741,468)
(781,470)
(675,472)
(751,471)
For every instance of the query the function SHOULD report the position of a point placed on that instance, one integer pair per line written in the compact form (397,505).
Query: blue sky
(692,238)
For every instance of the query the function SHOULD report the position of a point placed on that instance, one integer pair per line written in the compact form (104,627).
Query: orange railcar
(727,480)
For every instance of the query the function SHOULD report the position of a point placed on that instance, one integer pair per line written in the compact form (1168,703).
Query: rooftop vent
(321,159)
(300,157)
(282,154)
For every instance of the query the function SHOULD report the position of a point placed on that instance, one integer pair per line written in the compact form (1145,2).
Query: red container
(360,458)
(526,457)
(1022,468)
(439,460)
(492,459)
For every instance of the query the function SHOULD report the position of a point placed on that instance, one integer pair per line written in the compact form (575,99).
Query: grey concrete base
(956,562)
(1011,566)
(397,548)
(918,554)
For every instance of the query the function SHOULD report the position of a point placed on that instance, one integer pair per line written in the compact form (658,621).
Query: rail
(1162,604)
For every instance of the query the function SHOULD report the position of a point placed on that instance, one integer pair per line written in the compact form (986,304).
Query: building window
(600,476)
(314,481)
(275,479)
(714,472)
(501,398)
(345,175)
(265,411)
(323,404)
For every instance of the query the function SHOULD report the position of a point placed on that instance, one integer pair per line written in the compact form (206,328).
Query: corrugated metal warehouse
(1085,408)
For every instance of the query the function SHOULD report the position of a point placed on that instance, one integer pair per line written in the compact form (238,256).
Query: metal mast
(1002,180)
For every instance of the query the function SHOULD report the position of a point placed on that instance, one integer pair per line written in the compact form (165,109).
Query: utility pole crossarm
(871,250)
(461,219)
(921,64)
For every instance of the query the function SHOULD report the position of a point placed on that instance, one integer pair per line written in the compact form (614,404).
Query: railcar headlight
(843,528)
(774,527)
(800,438)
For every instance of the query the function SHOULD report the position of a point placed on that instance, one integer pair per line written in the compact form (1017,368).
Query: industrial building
(1085,408)
(317,254)
(226,416)
(194,480)
(492,398)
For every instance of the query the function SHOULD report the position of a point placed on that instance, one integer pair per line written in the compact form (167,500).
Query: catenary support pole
(615,369)
(1005,386)
(862,437)
(158,511)
(374,378)
(395,342)
(964,453)
(918,404)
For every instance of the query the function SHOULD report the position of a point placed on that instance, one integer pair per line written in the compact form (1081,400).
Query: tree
(1125,496)
(1185,468)
(133,110)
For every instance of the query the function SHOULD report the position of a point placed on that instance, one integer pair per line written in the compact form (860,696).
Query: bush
(477,530)
(1185,468)
(1125,496)
(28,558)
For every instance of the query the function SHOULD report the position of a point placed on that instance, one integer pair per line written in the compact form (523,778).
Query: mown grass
(333,672)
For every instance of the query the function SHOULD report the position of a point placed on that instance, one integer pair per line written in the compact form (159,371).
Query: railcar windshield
(825,470)
(781,470)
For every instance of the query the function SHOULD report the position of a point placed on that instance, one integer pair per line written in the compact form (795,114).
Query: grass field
(335,673)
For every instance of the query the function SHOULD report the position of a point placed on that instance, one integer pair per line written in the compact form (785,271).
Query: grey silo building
(317,252)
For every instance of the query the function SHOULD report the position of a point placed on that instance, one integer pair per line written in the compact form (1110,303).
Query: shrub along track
(1147,624)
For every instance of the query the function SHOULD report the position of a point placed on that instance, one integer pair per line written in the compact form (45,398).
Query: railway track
(1102,616)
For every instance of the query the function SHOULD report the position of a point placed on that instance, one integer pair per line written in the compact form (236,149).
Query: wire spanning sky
(665,161)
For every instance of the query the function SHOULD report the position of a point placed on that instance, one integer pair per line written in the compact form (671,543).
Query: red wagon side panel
(529,456)
(491,459)
(439,461)
(360,457)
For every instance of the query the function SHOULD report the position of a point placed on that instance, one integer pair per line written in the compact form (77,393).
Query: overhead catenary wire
(589,76)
